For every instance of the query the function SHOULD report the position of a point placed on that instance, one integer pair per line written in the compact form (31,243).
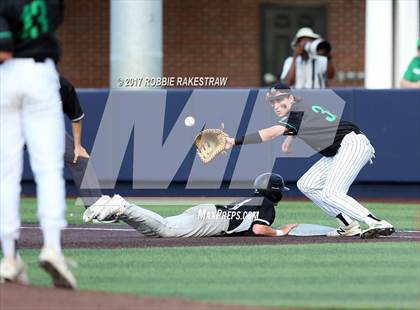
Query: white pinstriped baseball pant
(327,182)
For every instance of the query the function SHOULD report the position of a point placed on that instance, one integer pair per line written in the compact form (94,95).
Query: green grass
(339,276)
(402,216)
(372,276)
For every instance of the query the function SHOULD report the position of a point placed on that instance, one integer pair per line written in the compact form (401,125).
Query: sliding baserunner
(251,216)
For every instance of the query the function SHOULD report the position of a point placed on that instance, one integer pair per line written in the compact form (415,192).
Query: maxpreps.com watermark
(229,215)
(172,81)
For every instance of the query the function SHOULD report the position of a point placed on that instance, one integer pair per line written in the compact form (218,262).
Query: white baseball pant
(31,113)
(327,182)
(186,224)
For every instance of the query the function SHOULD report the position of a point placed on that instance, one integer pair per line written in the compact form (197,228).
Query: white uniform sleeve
(286,66)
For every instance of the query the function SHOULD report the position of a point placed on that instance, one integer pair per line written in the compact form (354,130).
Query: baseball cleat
(13,271)
(57,266)
(346,231)
(91,212)
(381,228)
(114,208)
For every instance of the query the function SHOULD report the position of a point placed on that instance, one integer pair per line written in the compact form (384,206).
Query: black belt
(36,58)
(39,59)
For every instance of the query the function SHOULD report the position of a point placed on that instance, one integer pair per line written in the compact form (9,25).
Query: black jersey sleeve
(70,101)
(292,123)
(266,214)
(6,36)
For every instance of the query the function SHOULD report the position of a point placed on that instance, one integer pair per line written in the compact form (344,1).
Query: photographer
(311,63)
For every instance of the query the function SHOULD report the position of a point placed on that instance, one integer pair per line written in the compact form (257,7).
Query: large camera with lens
(318,47)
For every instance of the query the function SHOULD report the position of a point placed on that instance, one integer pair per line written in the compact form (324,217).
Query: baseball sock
(343,220)
(8,246)
(52,239)
(371,219)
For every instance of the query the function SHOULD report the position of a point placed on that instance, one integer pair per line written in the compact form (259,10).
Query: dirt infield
(35,297)
(122,236)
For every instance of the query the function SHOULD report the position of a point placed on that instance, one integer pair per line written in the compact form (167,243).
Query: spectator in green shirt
(411,78)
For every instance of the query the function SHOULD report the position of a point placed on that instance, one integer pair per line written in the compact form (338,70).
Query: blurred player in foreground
(249,216)
(327,182)
(31,113)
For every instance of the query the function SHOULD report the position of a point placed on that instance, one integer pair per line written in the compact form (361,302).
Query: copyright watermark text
(172,81)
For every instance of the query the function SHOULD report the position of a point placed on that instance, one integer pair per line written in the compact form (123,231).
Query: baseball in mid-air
(189,121)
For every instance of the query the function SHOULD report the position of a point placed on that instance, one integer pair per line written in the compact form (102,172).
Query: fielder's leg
(44,131)
(311,184)
(11,164)
(354,153)
(84,178)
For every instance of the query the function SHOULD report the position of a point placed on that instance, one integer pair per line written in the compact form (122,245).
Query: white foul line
(405,237)
(85,228)
(133,230)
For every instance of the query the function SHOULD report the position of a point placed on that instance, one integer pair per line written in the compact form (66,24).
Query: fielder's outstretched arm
(260,136)
(271,133)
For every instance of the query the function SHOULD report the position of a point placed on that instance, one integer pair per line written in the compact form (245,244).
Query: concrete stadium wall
(390,118)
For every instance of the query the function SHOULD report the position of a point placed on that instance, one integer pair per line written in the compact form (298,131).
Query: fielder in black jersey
(76,158)
(70,100)
(345,151)
(249,216)
(318,127)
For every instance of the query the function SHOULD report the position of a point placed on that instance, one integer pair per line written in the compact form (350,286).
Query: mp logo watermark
(162,144)
(227,215)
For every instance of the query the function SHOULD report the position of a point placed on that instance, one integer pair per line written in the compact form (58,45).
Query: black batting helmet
(270,185)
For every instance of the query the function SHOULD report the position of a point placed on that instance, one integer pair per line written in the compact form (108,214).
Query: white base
(305,230)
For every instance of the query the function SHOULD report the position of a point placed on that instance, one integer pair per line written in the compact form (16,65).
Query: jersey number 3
(329,117)
(34,19)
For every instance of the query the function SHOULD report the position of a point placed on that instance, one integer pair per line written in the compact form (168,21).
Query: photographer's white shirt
(304,77)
